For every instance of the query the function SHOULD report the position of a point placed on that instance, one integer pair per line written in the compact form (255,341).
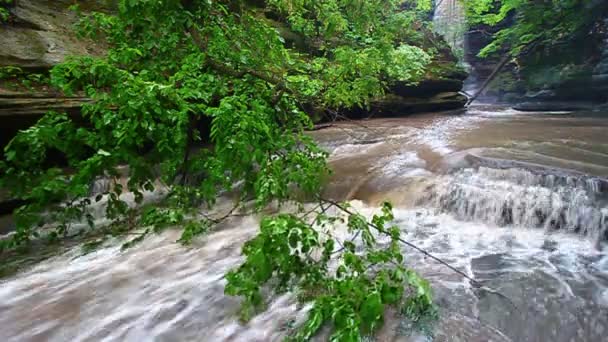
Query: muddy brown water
(516,200)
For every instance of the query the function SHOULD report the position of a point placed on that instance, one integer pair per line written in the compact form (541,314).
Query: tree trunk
(489,80)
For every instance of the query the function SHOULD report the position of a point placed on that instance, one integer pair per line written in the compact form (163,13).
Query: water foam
(521,198)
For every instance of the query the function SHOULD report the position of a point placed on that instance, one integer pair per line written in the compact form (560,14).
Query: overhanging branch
(278,82)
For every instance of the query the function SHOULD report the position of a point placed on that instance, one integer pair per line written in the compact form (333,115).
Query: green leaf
(372,311)
(104,153)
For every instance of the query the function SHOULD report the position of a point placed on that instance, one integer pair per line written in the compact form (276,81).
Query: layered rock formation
(438,92)
(37,36)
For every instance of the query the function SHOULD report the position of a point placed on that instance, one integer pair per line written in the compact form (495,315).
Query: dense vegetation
(550,42)
(175,68)
(536,24)
(175,65)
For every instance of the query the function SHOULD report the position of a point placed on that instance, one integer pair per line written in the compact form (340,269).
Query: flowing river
(518,201)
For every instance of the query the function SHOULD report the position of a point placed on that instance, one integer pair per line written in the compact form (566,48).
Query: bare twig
(227,215)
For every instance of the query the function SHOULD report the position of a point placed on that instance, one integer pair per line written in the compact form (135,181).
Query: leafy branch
(350,286)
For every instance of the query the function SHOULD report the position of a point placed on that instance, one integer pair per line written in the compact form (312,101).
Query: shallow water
(517,201)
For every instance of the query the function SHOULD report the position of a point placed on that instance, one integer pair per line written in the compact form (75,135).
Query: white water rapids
(517,201)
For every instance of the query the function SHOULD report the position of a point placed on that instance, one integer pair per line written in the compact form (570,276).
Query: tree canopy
(175,66)
(172,64)
(533,24)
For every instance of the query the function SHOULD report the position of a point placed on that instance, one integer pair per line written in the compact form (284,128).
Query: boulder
(440,90)
(40,34)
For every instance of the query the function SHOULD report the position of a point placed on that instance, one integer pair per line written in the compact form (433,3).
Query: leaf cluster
(11,75)
(4,12)
(363,47)
(350,282)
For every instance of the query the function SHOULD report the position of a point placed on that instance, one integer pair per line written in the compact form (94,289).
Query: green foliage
(536,23)
(17,76)
(364,46)
(160,218)
(173,66)
(4,12)
(8,72)
(350,285)
(148,95)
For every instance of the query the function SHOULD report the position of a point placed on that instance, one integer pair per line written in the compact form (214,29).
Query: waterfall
(516,197)
(449,21)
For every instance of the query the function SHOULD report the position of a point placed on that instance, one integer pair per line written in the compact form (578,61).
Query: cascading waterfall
(449,21)
(521,198)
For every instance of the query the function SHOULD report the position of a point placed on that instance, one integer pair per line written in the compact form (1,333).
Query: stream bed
(518,201)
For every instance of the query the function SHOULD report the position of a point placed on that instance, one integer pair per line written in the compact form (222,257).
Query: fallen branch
(489,80)
(227,215)
(409,244)
(473,282)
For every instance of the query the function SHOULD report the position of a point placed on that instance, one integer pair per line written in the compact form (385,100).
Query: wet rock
(549,245)
(7,224)
(489,265)
(541,95)
(601,68)
(550,106)
(40,34)
(22,103)
(20,110)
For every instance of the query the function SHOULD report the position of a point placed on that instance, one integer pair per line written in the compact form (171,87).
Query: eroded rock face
(19,103)
(395,105)
(40,35)
(583,91)
(600,72)
(440,91)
